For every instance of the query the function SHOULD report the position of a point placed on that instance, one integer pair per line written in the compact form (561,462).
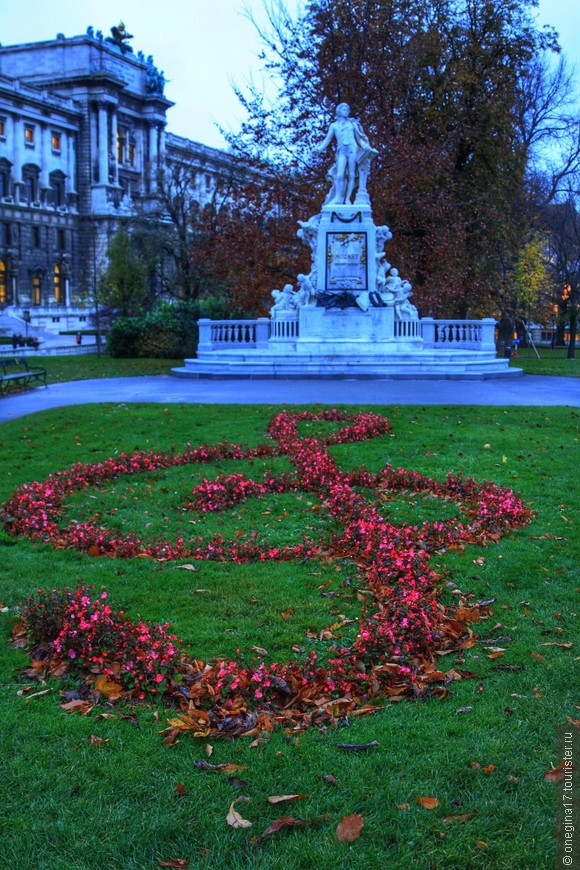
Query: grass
(553,361)
(85,366)
(73,804)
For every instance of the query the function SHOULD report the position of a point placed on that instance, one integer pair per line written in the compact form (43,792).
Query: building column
(103,143)
(114,176)
(45,151)
(18,133)
(153,156)
(94,143)
(71,167)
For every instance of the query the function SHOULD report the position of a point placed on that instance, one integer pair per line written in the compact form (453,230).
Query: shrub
(168,331)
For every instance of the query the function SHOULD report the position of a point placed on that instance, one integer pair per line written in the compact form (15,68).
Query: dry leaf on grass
(233,818)
(175,862)
(283,798)
(428,803)
(350,827)
(557,774)
(285,822)
(464,817)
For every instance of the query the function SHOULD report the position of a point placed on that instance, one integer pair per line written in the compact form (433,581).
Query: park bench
(17,372)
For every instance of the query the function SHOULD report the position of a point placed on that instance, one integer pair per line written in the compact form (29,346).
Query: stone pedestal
(346,250)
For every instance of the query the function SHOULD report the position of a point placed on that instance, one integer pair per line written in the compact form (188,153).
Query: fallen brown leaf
(349,828)
(327,777)
(233,818)
(77,706)
(556,774)
(561,645)
(283,798)
(428,803)
(175,862)
(464,817)
(112,691)
(285,822)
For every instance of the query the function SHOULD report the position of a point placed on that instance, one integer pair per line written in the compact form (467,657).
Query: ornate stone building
(82,136)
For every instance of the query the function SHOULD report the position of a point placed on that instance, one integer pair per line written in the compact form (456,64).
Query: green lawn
(82,367)
(553,361)
(73,803)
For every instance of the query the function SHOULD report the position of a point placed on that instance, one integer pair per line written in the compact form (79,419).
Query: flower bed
(394,652)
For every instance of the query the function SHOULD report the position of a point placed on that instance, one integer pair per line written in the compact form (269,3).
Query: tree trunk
(573,327)
(505,328)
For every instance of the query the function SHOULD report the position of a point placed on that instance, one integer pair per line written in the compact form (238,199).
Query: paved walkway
(166,389)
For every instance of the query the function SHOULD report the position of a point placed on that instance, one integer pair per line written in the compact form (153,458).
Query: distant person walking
(79,338)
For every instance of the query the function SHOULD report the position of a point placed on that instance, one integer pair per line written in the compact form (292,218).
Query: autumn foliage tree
(439,86)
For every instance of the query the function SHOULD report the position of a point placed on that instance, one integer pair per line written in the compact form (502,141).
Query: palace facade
(82,138)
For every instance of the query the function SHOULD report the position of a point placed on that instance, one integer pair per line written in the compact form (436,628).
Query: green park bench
(17,372)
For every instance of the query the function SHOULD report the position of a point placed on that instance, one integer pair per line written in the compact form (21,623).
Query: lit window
(36,289)
(55,141)
(120,148)
(57,278)
(2,128)
(3,283)
(131,154)
(29,135)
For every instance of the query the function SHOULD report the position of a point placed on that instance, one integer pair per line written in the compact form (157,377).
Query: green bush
(169,331)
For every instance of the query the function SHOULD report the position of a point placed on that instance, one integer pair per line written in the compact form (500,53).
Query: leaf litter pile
(402,633)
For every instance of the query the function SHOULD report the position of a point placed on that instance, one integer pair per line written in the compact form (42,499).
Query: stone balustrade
(458,334)
(285,326)
(221,334)
(445,334)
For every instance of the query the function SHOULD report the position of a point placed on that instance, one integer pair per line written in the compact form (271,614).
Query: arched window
(5,186)
(3,284)
(56,180)
(30,175)
(36,290)
(58,285)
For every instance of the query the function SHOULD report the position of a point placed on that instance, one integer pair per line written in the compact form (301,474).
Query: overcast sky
(201,45)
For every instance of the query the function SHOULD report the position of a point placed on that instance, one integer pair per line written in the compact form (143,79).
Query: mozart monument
(351,315)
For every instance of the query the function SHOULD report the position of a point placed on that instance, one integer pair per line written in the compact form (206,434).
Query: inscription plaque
(346,261)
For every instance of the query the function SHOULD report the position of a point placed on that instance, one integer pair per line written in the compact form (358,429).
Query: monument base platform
(417,365)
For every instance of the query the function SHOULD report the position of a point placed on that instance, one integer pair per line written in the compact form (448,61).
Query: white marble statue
(353,157)
(383,235)
(383,268)
(306,291)
(284,300)
(401,289)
